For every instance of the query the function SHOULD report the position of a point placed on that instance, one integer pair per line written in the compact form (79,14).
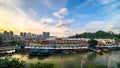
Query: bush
(16,63)
(118,64)
(42,65)
(95,66)
(11,63)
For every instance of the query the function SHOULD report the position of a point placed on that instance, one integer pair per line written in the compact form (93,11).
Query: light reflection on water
(73,60)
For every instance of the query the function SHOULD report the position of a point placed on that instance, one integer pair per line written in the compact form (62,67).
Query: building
(105,41)
(11,33)
(57,43)
(39,37)
(21,34)
(64,42)
(16,37)
(52,38)
(46,34)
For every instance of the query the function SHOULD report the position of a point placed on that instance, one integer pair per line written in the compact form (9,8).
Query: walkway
(8,48)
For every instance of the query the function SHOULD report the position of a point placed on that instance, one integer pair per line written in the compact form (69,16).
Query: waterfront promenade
(8,48)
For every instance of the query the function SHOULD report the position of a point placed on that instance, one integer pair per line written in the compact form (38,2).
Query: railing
(32,47)
(107,46)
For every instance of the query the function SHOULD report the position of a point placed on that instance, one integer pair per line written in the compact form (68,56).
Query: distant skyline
(61,18)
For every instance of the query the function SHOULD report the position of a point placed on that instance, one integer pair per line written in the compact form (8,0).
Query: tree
(92,42)
(118,64)
(99,34)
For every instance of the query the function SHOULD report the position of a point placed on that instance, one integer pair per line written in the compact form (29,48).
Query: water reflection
(91,56)
(73,60)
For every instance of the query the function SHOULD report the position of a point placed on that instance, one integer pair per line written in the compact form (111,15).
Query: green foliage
(116,38)
(20,44)
(16,63)
(11,63)
(92,42)
(91,56)
(42,65)
(95,66)
(118,64)
(98,34)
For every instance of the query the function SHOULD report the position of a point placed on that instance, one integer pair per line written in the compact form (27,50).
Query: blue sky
(60,17)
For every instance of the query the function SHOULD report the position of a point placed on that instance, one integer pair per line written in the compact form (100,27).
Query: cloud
(83,4)
(17,20)
(65,23)
(61,29)
(46,20)
(107,1)
(54,4)
(13,17)
(110,21)
(94,26)
(113,15)
(61,13)
(10,3)
(57,14)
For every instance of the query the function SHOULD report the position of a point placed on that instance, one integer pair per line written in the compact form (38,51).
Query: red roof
(107,40)
(56,41)
(100,42)
(64,42)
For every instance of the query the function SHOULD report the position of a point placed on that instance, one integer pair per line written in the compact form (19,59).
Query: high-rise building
(11,34)
(40,37)
(24,34)
(6,33)
(21,34)
(46,34)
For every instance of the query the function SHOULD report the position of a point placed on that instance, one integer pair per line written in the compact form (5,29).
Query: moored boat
(40,52)
(106,50)
(99,52)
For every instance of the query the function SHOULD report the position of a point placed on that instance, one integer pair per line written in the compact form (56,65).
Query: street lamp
(110,58)
(82,61)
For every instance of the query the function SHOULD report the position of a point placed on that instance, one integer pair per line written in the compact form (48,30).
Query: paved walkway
(8,48)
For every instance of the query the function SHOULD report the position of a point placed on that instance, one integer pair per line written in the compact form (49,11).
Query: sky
(61,18)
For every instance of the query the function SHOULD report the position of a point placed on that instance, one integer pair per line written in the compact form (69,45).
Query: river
(73,60)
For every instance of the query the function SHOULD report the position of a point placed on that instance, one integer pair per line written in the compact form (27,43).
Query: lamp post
(82,61)
(110,58)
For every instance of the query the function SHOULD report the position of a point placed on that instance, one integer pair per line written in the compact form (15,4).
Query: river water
(73,60)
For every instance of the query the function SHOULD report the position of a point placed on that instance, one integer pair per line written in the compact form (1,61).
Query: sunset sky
(60,17)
